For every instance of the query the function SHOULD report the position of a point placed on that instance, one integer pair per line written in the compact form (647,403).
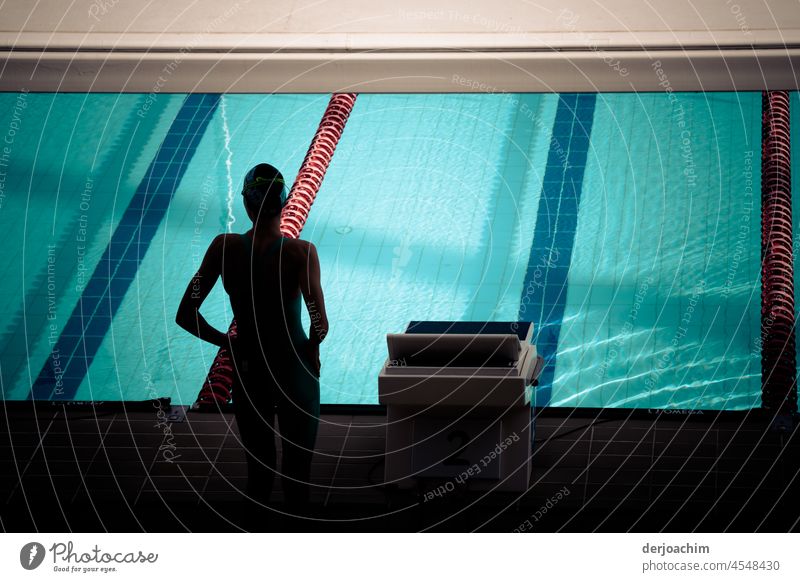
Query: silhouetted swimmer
(265,276)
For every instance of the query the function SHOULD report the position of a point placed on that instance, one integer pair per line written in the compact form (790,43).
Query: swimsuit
(275,376)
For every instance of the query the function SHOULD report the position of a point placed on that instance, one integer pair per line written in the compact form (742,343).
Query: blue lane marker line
(544,293)
(90,321)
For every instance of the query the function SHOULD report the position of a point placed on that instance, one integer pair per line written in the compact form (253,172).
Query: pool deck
(126,467)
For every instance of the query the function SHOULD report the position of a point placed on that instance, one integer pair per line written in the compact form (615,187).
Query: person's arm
(312,294)
(189,316)
(315,302)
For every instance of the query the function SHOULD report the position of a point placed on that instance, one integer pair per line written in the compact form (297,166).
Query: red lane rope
(318,158)
(222,378)
(778,352)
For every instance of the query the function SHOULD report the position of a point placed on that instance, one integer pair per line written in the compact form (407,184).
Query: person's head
(264,192)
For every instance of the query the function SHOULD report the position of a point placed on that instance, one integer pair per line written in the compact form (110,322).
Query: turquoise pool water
(429,211)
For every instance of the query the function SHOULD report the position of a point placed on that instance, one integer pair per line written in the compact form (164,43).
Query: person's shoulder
(301,251)
(300,246)
(226,238)
(223,241)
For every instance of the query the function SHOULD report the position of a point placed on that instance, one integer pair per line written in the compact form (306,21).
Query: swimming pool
(625,225)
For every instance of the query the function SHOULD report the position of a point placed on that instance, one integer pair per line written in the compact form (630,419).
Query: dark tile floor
(124,468)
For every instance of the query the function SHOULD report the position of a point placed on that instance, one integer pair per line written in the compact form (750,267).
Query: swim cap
(264,189)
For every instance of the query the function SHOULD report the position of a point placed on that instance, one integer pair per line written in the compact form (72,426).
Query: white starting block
(457,398)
